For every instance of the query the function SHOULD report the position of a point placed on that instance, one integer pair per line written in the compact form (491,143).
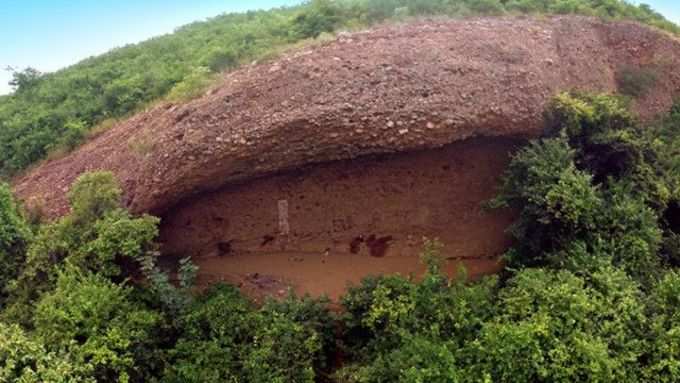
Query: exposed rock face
(391,89)
(319,227)
(341,205)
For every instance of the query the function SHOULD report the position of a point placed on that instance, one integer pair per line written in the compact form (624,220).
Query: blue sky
(52,34)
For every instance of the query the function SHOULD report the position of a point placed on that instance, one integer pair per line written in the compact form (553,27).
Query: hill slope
(55,112)
(391,89)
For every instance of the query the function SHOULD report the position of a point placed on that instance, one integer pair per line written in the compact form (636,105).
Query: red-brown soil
(347,220)
(242,147)
(275,274)
(392,89)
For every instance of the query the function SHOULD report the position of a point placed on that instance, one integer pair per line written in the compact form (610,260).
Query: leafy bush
(94,321)
(97,236)
(74,133)
(115,237)
(417,359)
(636,82)
(629,230)
(92,195)
(225,338)
(194,83)
(610,144)
(592,123)
(664,355)
(26,360)
(312,314)
(557,327)
(558,202)
(14,237)
(281,351)
(490,7)
(542,326)
(595,190)
(213,329)
(392,320)
(171,299)
(318,17)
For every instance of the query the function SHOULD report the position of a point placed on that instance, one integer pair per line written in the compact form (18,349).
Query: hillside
(362,115)
(487,199)
(390,89)
(52,113)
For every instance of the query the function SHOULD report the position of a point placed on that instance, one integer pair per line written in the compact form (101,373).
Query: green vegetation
(70,312)
(636,82)
(14,237)
(600,188)
(542,326)
(54,112)
(591,294)
(224,338)
(96,325)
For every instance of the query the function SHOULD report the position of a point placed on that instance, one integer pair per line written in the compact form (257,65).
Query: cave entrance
(318,228)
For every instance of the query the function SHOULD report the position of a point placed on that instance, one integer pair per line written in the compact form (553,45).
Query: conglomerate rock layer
(394,88)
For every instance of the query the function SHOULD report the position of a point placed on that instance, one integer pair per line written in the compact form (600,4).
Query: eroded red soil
(395,88)
(319,228)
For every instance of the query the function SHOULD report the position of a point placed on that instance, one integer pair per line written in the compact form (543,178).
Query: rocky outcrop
(391,89)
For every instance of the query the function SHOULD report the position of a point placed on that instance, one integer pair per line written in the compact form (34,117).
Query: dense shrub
(544,326)
(558,202)
(96,324)
(312,314)
(98,236)
(629,230)
(594,192)
(26,360)
(610,144)
(666,138)
(281,351)
(405,331)
(320,16)
(225,338)
(664,356)
(213,331)
(14,237)
(557,327)
(379,308)
(417,359)
(92,195)
(194,83)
